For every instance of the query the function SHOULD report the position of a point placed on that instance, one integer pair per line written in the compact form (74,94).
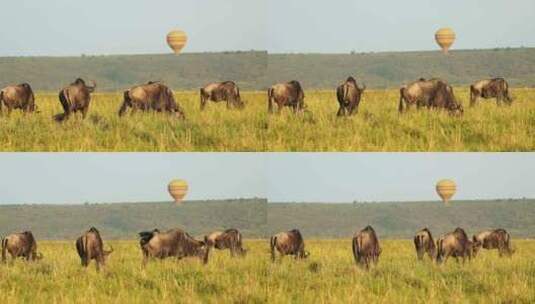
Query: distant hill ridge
(257,70)
(257,218)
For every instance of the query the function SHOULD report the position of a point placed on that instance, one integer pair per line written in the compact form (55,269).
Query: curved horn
(93,87)
(363,87)
(106,252)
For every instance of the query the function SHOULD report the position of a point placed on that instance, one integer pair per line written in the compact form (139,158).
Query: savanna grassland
(327,276)
(377,127)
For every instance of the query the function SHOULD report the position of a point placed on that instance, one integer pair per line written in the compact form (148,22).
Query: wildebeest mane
(146,236)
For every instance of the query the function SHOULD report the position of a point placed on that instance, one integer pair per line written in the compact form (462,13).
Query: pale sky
(66,27)
(281,177)
(126,177)
(345,177)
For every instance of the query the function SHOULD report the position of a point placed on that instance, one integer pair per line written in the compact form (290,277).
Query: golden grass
(328,276)
(378,127)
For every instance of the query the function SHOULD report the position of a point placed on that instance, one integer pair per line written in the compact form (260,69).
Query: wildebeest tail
(270,100)
(4,249)
(81,249)
(273,242)
(418,241)
(507,241)
(237,92)
(207,252)
(126,102)
(64,100)
(356,250)
(1,99)
(440,250)
(506,91)
(401,94)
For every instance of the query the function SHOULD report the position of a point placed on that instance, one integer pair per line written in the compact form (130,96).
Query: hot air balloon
(446,188)
(445,38)
(178,188)
(176,40)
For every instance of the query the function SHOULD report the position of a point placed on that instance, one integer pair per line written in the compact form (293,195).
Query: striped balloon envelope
(177,40)
(446,188)
(445,38)
(178,189)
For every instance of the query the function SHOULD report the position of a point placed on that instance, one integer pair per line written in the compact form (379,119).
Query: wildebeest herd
(178,244)
(156,96)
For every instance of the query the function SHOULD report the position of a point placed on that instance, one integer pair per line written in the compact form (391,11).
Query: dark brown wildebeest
(424,243)
(18,97)
(288,243)
(229,239)
(289,94)
(432,93)
(490,88)
(173,243)
(493,239)
(151,96)
(348,95)
(226,91)
(75,98)
(20,245)
(90,247)
(366,247)
(455,244)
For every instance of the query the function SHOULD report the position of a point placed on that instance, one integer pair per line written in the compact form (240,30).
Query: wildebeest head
(476,245)
(81,82)
(107,252)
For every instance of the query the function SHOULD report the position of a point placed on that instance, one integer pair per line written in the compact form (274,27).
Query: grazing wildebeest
(493,239)
(289,94)
(424,243)
(229,239)
(366,247)
(151,96)
(75,98)
(455,244)
(432,93)
(348,95)
(226,91)
(490,88)
(20,245)
(18,97)
(288,243)
(90,247)
(173,243)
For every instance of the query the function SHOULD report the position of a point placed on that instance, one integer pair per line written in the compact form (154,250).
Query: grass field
(378,127)
(328,276)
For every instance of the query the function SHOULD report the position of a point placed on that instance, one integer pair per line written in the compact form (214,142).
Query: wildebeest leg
(203,99)
(270,106)
(232,251)
(473,96)
(341,111)
(84,111)
(353,109)
(294,108)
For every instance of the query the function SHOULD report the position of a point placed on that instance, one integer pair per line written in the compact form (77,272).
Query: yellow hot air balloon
(446,188)
(176,40)
(178,188)
(445,38)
